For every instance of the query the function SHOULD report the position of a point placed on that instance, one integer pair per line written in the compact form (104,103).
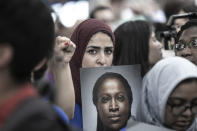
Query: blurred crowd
(44,43)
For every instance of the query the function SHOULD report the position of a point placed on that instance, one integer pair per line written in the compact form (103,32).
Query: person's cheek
(123,107)
(109,60)
(104,109)
(179,53)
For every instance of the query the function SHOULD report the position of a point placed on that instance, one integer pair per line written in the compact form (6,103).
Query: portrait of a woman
(112,97)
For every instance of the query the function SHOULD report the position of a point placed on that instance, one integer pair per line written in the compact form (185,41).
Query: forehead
(186,90)
(103,13)
(111,85)
(100,39)
(180,21)
(189,33)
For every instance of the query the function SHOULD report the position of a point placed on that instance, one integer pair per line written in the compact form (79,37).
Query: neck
(109,129)
(150,66)
(7,86)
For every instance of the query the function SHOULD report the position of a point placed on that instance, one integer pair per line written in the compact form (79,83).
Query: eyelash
(120,98)
(105,99)
(94,51)
(176,104)
(194,43)
(108,51)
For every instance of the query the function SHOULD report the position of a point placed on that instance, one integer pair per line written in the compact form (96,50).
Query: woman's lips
(183,123)
(114,118)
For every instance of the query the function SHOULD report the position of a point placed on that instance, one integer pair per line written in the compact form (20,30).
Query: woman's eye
(194,43)
(92,52)
(108,51)
(120,98)
(176,103)
(105,99)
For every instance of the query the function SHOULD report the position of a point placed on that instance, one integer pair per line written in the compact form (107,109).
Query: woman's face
(113,104)
(155,47)
(178,114)
(99,51)
(180,22)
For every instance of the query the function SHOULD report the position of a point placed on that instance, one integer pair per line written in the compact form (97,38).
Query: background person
(136,44)
(26,43)
(169,95)
(181,8)
(103,13)
(56,85)
(186,46)
(94,48)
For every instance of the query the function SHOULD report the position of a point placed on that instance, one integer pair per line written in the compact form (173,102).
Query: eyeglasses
(181,45)
(178,106)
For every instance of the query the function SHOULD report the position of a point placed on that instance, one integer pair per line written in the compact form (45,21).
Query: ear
(6,54)
(40,64)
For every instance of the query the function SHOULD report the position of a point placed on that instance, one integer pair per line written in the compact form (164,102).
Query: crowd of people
(40,71)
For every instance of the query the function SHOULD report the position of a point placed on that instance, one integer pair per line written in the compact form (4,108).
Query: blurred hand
(63,51)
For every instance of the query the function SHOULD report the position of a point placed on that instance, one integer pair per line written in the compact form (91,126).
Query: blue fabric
(61,114)
(123,129)
(77,120)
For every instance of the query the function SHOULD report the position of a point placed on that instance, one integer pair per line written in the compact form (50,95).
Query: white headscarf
(159,83)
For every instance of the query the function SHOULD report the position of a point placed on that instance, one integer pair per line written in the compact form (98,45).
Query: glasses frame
(192,45)
(185,108)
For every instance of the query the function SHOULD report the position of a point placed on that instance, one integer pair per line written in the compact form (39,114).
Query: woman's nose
(159,44)
(188,111)
(113,107)
(101,61)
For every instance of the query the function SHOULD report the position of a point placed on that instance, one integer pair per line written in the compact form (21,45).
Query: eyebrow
(109,47)
(178,98)
(182,42)
(121,92)
(192,38)
(96,47)
(175,98)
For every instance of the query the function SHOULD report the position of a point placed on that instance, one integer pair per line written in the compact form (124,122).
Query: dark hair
(132,44)
(173,7)
(28,27)
(189,7)
(99,82)
(98,8)
(159,29)
(190,23)
(170,9)
(81,36)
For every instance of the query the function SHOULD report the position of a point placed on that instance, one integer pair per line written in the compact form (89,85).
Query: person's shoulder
(140,126)
(34,114)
